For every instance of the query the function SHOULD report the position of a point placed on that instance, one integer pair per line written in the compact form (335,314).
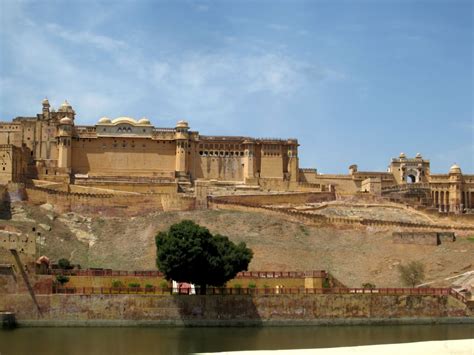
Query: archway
(411,179)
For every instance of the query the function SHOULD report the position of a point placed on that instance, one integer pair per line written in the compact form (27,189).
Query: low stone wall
(423,238)
(58,308)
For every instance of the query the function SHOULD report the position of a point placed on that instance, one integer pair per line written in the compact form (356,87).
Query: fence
(152,273)
(103,272)
(257,291)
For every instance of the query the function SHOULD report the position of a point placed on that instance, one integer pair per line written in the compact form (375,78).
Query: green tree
(188,252)
(412,274)
(64,264)
(62,279)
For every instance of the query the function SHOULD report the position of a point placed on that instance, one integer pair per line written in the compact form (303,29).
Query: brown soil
(353,255)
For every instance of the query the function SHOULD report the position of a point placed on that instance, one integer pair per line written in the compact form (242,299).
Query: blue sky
(354,81)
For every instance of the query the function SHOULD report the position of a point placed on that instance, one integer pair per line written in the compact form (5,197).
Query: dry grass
(353,255)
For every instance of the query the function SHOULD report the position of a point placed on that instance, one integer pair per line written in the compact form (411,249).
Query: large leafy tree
(188,252)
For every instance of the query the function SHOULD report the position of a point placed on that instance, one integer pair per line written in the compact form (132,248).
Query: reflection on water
(99,341)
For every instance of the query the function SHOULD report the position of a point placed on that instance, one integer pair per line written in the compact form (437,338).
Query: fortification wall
(118,187)
(273,199)
(302,307)
(344,184)
(227,168)
(109,204)
(318,219)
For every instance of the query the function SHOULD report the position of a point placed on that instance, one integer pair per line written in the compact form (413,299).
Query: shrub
(237,286)
(164,284)
(266,286)
(134,285)
(252,285)
(412,274)
(64,264)
(62,279)
(326,283)
(148,286)
(368,285)
(117,283)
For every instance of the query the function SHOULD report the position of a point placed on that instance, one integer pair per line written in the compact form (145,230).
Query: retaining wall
(260,308)
(109,204)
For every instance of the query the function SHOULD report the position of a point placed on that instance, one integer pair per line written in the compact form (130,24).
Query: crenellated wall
(109,204)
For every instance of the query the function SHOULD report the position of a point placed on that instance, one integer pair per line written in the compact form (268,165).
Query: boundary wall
(179,309)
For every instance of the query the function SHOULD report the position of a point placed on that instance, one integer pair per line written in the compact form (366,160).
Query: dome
(144,121)
(128,120)
(45,101)
(455,169)
(65,107)
(402,155)
(65,120)
(418,155)
(182,124)
(105,120)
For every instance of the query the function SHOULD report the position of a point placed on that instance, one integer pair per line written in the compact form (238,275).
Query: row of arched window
(221,153)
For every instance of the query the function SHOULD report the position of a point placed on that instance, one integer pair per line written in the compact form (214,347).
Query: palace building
(52,147)
(129,154)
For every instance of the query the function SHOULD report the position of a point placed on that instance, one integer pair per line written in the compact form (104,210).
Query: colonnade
(441,201)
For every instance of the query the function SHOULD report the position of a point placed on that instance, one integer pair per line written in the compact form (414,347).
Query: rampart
(301,216)
(272,199)
(108,204)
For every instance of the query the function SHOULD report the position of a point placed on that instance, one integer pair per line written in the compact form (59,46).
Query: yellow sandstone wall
(123,156)
(228,168)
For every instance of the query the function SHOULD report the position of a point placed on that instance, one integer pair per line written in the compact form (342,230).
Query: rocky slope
(353,255)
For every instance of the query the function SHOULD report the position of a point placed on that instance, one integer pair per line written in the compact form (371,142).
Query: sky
(357,82)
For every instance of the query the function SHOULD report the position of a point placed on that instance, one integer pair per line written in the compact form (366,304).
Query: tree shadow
(217,310)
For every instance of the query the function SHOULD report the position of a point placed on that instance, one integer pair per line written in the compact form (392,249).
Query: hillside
(353,255)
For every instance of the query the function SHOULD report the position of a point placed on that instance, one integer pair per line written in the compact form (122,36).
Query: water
(117,341)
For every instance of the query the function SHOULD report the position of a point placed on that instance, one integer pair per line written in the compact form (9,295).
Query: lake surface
(133,340)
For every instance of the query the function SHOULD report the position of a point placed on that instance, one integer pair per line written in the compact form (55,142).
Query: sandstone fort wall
(109,204)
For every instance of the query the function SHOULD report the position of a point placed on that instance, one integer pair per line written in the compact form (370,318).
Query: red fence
(104,272)
(254,291)
(245,274)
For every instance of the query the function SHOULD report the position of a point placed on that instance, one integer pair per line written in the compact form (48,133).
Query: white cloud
(86,38)
(129,79)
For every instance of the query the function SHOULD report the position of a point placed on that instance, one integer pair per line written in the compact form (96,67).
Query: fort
(124,155)
(98,194)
